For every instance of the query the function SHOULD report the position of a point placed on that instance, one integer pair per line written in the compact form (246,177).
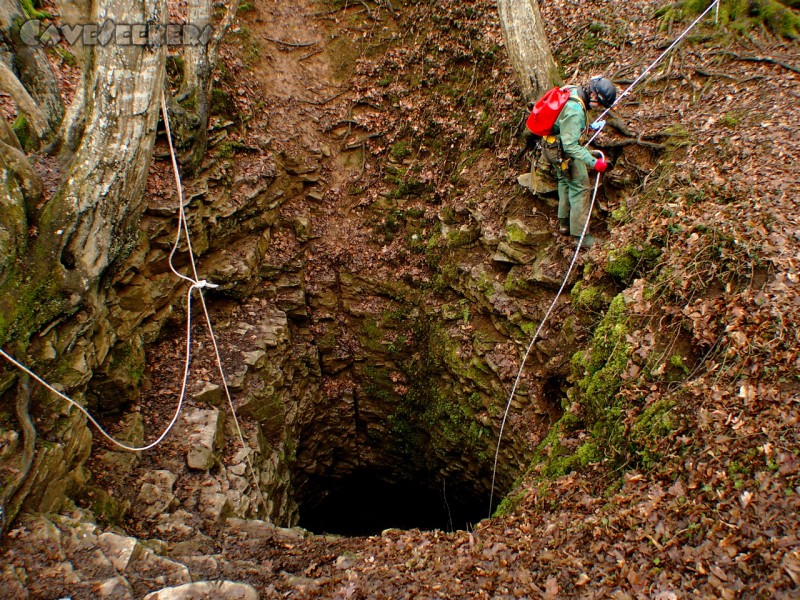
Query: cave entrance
(368,502)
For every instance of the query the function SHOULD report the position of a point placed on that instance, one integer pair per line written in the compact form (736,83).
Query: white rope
(650,68)
(183,226)
(598,121)
(197,284)
(122,445)
(536,335)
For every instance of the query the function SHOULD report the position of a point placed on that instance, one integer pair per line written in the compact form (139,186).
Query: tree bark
(37,77)
(27,76)
(98,208)
(191,109)
(13,221)
(27,107)
(73,12)
(15,161)
(528,48)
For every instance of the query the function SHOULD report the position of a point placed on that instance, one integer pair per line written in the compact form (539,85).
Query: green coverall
(573,184)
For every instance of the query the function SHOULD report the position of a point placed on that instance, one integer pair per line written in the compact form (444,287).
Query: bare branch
(761,59)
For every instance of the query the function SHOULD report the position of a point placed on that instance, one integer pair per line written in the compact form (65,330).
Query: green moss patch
(625,263)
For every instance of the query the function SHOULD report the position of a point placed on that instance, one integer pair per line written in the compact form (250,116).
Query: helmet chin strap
(586,96)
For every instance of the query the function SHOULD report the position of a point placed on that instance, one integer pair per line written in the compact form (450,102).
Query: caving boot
(588,240)
(563,226)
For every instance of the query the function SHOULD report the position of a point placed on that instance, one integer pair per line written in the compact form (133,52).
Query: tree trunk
(13,223)
(191,108)
(26,105)
(14,160)
(73,12)
(92,220)
(88,225)
(27,77)
(528,48)
(37,77)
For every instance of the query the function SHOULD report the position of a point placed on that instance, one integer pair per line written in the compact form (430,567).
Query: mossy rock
(518,232)
(743,15)
(107,508)
(586,454)
(657,422)
(400,151)
(221,103)
(625,263)
(463,236)
(555,458)
(119,380)
(588,298)
(25,134)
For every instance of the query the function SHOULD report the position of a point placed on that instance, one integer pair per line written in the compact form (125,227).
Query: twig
(571,35)
(607,43)
(309,55)
(350,122)
(637,141)
(619,125)
(363,161)
(703,73)
(345,6)
(361,142)
(323,102)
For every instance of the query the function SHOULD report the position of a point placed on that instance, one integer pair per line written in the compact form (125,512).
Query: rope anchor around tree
(196,284)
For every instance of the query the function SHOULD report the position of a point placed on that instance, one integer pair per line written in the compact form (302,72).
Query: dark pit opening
(367,502)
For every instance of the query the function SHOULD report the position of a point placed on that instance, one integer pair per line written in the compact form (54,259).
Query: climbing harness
(597,125)
(195,284)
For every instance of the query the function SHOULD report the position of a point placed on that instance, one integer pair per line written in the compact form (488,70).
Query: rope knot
(204,284)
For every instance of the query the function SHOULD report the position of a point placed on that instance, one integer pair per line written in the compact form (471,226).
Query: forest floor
(709,507)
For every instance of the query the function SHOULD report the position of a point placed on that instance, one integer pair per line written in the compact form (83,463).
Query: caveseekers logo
(34,33)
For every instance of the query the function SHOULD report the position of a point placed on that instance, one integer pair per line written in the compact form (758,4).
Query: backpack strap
(578,99)
(581,102)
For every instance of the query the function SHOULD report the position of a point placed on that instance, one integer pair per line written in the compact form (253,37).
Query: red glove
(600,165)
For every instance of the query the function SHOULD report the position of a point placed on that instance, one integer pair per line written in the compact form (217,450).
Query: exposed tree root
(26,460)
(762,59)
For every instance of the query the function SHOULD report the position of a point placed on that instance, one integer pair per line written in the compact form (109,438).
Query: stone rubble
(82,561)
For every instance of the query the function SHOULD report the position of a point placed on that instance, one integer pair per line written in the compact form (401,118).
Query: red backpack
(546,111)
